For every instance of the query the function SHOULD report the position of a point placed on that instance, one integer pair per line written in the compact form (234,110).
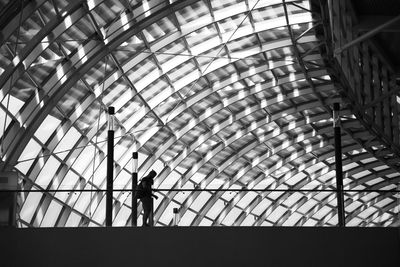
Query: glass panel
(232,216)
(52,214)
(199,202)
(31,150)
(99,215)
(30,205)
(73,220)
(167,215)
(170,181)
(47,128)
(187,218)
(48,172)
(67,142)
(122,217)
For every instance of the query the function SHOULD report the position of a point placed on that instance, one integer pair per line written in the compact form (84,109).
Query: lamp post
(338,163)
(134,187)
(110,166)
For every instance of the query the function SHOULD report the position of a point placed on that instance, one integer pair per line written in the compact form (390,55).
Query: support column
(134,188)
(110,166)
(338,163)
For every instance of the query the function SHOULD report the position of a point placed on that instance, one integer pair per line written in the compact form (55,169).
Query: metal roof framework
(229,101)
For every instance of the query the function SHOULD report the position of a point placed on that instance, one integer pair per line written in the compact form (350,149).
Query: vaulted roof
(229,101)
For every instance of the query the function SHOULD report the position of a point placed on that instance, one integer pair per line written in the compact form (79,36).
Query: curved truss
(228,102)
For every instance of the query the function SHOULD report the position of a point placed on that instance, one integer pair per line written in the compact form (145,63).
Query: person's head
(152,173)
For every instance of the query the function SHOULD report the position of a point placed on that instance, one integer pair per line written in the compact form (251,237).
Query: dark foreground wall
(200,246)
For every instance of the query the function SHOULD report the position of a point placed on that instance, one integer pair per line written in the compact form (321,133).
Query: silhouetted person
(144,193)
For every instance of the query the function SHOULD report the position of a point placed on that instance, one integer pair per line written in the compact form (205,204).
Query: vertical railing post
(175,221)
(110,166)
(338,163)
(134,188)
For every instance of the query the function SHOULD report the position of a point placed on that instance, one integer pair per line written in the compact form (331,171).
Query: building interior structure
(231,103)
(273,126)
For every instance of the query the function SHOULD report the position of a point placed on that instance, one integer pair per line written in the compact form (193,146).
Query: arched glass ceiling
(228,98)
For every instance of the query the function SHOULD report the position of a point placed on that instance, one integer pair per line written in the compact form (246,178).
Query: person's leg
(146,203)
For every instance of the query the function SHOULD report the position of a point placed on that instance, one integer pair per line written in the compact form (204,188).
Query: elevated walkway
(200,246)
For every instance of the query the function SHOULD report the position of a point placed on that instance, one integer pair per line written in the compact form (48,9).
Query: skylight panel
(276,214)
(47,172)
(216,209)
(231,217)
(14,106)
(353,206)
(47,128)
(206,222)
(367,212)
(30,205)
(167,213)
(310,222)
(246,200)
(122,216)
(262,207)
(123,178)
(322,212)
(187,218)
(293,219)
(73,220)
(83,200)
(374,181)
(68,183)
(99,214)
(199,202)
(99,175)
(231,24)
(193,12)
(307,206)
(248,221)
(81,163)
(170,181)
(31,150)
(159,29)
(53,211)
(68,140)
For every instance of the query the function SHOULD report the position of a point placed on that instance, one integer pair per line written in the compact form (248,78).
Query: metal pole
(134,187)
(176,217)
(338,163)
(330,9)
(110,168)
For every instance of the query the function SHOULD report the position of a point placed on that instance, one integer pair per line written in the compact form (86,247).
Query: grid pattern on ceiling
(216,95)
